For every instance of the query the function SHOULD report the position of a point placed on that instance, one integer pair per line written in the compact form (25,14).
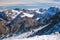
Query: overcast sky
(29,2)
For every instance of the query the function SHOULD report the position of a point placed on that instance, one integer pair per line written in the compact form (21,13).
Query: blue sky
(30,2)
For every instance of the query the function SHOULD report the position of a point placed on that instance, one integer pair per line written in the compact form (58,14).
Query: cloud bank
(29,2)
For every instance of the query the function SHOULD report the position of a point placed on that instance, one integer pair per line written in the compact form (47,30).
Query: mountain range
(19,20)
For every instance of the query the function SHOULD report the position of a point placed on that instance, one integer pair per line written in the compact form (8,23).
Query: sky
(30,2)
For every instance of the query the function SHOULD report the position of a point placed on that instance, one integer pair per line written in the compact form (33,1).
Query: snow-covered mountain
(29,21)
(52,10)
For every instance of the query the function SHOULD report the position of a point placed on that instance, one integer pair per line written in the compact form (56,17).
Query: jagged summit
(52,10)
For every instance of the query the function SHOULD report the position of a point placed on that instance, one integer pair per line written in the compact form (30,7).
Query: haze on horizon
(29,2)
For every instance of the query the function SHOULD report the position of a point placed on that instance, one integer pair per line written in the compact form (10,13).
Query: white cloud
(27,2)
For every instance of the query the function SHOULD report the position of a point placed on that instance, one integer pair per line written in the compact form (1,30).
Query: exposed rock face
(3,29)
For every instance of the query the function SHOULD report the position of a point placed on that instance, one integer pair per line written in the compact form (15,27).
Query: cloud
(12,2)
(29,2)
(57,0)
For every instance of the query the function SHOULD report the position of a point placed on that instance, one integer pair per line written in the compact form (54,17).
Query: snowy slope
(27,14)
(43,37)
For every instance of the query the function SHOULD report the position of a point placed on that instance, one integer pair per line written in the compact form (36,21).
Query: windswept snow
(15,13)
(43,37)
(33,9)
(38,12)
(37,18)
(27,14)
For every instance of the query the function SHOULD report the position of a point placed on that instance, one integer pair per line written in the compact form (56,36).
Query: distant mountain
(52,10)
